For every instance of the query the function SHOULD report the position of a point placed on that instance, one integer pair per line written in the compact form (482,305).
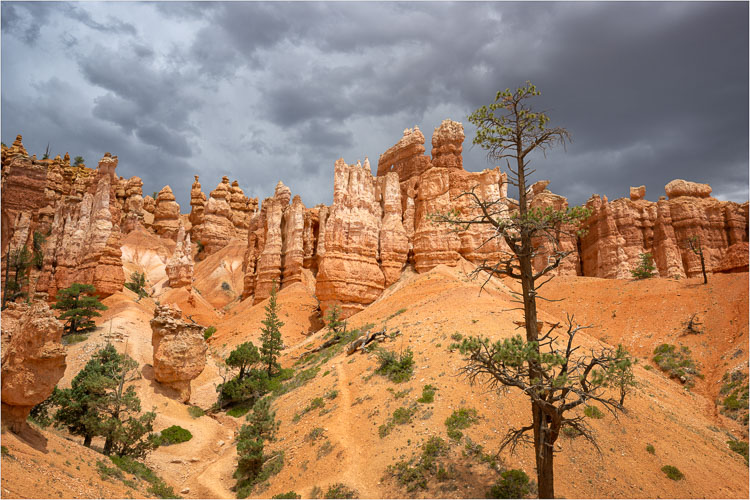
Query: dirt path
(346,432)
(216,479)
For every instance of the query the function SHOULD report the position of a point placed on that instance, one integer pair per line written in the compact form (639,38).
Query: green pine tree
(78,307)
(16,274)
(270,337)
(100,403)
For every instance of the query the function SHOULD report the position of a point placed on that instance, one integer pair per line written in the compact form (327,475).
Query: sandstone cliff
(33,360)
(179,350)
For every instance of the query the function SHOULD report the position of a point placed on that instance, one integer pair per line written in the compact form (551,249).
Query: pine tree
(78,307)
(98,403)
(270,337)
(16,277)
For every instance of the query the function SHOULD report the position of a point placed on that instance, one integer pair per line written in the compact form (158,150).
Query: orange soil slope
(428,309)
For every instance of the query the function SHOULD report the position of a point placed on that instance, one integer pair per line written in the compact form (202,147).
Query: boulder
(33,360)
(679,187)
(179,350)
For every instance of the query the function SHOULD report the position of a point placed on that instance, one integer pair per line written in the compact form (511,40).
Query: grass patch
(196,411)
(401,416)
(400,311)
(208,332)
(315,434)
(513,483)
(399,394)
(740,447)
(4,451)
(174,435)
(463,418)
(239,410)
(415,473)
(734,390)
(428,394)
(650,448)
(106,472)
(288,494)
(74,338)
(396,368)
(677,363)
(593,412)
(340,490)
(672,472)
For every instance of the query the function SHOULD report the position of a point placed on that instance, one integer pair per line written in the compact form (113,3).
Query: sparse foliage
(677,363)
(672,472)
(397,368)
(37,258)
(137,284)
(253,465)
(78,307)
(78,161)
(645,268)
(17,264)
(513,483)
(270,337)
(694,244)
(509,129)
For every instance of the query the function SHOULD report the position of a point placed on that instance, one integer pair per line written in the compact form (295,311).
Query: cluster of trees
(252,372)
(102,402)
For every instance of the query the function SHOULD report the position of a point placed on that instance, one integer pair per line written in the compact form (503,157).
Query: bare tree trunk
(703,268)
(546,471)
(87,441)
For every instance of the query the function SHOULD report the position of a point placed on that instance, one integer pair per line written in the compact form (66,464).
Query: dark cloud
(262,91)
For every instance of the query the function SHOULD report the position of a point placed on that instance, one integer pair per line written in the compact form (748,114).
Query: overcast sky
(263,92)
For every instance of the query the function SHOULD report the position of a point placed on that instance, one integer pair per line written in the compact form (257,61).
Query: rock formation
(406,157)
(132,204)
(179,267)
(179,350)
(166,214)
(447,145)
(348,273)
(292,247)
(84,241)
(268,267)
(394,243)
(217,228)
(637,193)
(243,209)
(679,187)
(735,259)
(197,203)
(33,360)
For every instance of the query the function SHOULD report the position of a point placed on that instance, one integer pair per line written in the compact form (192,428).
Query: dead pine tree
(694,244)
(509,129)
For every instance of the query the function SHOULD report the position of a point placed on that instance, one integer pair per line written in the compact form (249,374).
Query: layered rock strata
(349,274)
(179,350)
(197,203)
(217,228)
(33,360)
(179,267)
(166,214)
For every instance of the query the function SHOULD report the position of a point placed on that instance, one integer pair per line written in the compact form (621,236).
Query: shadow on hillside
(32,437)
(148,374)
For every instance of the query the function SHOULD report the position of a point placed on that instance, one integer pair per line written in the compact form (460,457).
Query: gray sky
(264,92)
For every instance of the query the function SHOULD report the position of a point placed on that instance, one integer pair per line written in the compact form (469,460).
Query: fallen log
(367,338)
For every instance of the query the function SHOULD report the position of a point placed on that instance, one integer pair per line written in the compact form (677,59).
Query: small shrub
(428,394)
(457,337)
(208,332)
(463,418)
(513,483)
(332,394)
(137,284)
(325,449)
(735,401)
(4,451)
(593,412)
(676,363)
(74,338)
(401,416)
(239,410)
(196,411)
(174,435)
(106,472)
(225,286)
(740,447)
(160,489)
(315,492)
(315,404)
(397,369)
(340,490)
(645,268)
(288,494)
(672,472)
(315,434)
(570,432)
(415,473)
(650,448)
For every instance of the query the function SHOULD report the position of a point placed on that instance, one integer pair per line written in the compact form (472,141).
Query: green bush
(239,410)
(672,472)
(401,416)
(288,494)
(416,472)
(315,434)
(174,435)
(740,447)
(645,268)
(734,404)
(160,489)
(650,448)
(137,284)
(196,411)
(428,394)
(463,418)
(340,490)
(4,451)
(513,483)
(676,363)
(593,412)
(208,332)
(332,394)
(397,368)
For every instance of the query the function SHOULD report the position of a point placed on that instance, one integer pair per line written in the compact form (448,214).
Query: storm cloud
(267,91)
